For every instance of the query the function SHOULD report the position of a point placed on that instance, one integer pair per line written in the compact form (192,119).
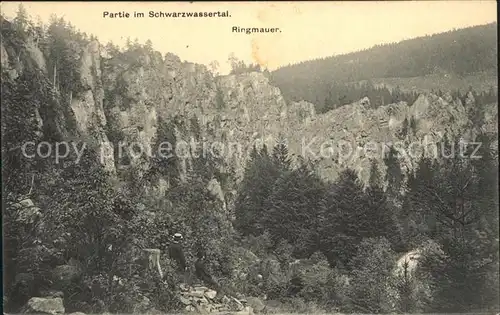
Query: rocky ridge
(119,100)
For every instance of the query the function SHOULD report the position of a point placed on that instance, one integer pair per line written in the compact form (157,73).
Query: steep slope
(60,115)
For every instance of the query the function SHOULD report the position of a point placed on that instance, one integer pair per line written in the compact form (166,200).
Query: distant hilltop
(452,55)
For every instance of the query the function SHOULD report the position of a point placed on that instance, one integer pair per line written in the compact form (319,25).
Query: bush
(371,276)
(339,288)
(315,275)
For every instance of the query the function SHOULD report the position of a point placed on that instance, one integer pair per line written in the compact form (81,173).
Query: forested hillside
(456,53)
(281,234)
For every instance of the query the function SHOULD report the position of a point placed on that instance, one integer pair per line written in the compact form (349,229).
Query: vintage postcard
(331,157)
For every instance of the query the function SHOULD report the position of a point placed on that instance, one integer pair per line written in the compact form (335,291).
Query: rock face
(128,99)
(354,135)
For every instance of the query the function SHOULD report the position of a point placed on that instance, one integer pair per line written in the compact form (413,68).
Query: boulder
(184,300)
(38,305)
(365,101)
(197,294)
(26,203)
(184,287)
(210,294)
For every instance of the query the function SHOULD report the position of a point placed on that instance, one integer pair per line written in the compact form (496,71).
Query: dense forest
(341,94)
(319,246)
(454,53)
(449,202)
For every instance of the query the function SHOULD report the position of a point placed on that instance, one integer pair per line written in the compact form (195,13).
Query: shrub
(371,273)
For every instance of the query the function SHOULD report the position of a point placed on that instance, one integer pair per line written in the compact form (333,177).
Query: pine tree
(165,163)
(486,169)
(394,175)
(280,156)
(378,217)
(375,177)
(449,197)
(136,44)
(21,21)
(292,210)
(403,132)
(396,95)
(149,46)
(339,235)
(371,267)
(128,43)
(257,184)
(112,49)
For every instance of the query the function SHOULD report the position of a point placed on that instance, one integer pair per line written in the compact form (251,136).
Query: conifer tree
(394,175)
(259,178)
(21,21)
(450,198)
(378,217)
(280,156)
(339,228)
(292,210)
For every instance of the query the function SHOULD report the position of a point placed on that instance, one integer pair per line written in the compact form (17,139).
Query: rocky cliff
(128,98)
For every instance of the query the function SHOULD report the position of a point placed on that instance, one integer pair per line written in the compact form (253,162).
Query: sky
(309,29)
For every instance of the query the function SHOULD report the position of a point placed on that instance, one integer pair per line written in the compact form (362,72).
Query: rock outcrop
(127,99)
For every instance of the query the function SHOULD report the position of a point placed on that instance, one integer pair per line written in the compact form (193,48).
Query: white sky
(309,29)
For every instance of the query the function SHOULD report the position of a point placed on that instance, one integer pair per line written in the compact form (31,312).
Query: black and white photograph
(243,158)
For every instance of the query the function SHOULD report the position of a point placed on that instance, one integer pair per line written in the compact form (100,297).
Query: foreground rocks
(47,305)
(203,300)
